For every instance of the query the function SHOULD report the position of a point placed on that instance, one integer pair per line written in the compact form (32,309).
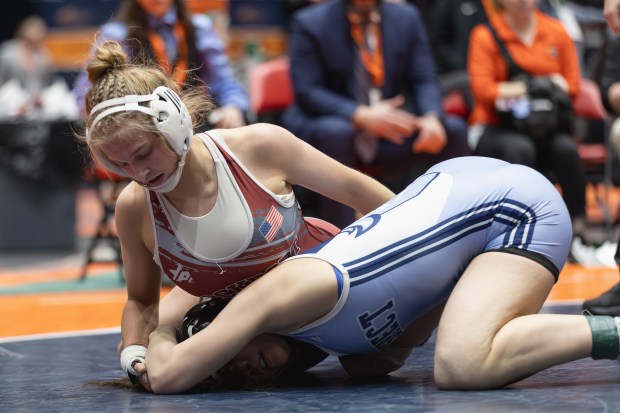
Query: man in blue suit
(366,91)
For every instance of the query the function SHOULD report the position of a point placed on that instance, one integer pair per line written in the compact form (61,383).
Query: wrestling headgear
(170,117)
(199,317)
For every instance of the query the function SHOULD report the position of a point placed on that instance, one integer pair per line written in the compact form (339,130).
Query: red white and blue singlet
(405,257)
(265,229)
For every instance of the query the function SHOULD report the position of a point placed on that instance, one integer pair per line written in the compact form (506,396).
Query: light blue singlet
(405,257)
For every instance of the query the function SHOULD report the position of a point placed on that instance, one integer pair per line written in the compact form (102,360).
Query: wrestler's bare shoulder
(132,199)
(253,137)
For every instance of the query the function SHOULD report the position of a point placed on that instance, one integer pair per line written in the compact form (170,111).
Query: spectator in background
(186,45)
(29,87)
(366,92)
(24,60)
(541,46)
(450,24)
(36,109)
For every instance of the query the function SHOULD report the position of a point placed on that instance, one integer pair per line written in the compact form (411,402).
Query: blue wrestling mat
(52,374)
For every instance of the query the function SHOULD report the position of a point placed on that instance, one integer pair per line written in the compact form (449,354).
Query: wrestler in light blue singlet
(405,257)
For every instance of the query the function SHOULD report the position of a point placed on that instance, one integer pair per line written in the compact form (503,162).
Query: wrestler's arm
(275,153)
(284,299)
(140,315)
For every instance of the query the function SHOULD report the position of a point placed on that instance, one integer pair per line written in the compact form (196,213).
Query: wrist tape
(130,356)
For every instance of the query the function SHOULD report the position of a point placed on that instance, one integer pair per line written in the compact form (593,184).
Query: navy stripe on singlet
(508,212)
(339,280)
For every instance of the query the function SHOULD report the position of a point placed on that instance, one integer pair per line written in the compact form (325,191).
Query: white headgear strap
(170,117)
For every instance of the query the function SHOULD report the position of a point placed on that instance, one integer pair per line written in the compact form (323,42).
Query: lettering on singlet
(235,288)
(381,326)
(180,275)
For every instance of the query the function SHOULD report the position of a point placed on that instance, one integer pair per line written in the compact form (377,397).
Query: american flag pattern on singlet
(279,232)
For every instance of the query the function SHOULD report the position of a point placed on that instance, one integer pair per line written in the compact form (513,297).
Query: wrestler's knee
(457,369)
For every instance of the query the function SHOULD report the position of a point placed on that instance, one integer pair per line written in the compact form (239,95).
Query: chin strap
(172,181)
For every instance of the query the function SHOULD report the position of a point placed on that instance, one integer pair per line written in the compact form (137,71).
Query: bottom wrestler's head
(263,363)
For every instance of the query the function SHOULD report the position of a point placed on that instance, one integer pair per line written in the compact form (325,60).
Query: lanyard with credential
(371,59)
(177,69)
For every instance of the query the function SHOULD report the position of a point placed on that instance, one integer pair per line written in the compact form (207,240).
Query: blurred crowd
(374,83)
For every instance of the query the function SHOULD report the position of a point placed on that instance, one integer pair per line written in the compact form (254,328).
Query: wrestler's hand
(133,362)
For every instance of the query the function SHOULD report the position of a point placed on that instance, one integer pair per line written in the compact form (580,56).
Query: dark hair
(119,383)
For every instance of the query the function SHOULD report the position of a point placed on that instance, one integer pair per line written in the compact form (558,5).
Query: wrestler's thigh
(495,288)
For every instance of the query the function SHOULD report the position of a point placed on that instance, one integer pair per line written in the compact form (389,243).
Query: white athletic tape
(130,355)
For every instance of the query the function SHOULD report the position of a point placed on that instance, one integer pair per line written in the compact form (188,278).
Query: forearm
(177,367)
(138,321)
(369,194)
(159,358)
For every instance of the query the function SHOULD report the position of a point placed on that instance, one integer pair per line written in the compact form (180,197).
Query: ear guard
(169,114)
(199,317)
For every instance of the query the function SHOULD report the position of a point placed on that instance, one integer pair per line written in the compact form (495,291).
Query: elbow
(165,384)
(164,379)
(159,384)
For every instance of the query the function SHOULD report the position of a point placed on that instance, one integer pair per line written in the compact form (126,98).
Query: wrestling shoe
(607,303)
